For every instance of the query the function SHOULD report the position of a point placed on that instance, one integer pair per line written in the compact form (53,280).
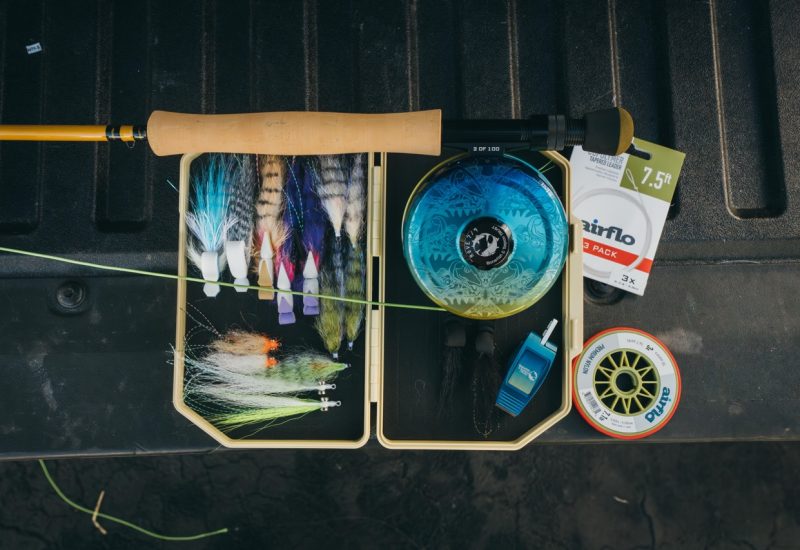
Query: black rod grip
(608,132)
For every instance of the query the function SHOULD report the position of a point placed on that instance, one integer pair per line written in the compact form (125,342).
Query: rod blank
(70,132)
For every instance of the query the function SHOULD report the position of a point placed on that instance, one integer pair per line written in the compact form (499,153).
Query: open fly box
(395,363)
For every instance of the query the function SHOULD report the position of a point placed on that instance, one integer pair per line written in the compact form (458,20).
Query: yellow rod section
(126,133)
(42,132)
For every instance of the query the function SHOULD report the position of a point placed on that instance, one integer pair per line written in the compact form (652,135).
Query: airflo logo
(611,233)
(658,410)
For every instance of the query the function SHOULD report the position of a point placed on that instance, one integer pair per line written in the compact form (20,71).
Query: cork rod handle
(295,133)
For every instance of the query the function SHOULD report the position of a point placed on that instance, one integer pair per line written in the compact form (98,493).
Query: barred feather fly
(332,191)
(356,200)
(354,288)
(209,219)
(331,186)
(354,226)
(329,321)
(270,229)
(239,240)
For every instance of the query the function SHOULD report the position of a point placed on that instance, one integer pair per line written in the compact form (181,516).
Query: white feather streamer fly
(207,374)
(209,219)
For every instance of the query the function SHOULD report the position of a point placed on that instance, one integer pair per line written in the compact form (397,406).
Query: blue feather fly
(209,219)
(294,217)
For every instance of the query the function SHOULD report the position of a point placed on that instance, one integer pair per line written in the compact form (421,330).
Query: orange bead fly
(270,344)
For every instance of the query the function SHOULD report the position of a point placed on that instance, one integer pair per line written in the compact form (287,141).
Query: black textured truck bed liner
(719,80)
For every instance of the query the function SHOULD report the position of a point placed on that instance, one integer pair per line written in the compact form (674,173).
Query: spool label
(623,202)
(486,242)
(627,384)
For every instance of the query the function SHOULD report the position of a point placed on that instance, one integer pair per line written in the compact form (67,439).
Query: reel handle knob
(608,132)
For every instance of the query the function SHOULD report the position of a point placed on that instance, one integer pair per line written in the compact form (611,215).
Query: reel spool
(485,237)
(626,383)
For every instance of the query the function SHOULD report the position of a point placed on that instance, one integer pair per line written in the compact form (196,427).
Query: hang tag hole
(641,153)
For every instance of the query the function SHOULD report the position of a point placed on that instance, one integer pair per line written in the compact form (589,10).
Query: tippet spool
(485,236)
(626,383)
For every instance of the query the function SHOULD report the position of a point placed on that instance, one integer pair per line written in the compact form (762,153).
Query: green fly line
(128,524)
(545,168)
(174,277)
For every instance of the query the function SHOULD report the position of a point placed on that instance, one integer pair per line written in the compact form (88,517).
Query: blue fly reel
(485,237)
(527,372)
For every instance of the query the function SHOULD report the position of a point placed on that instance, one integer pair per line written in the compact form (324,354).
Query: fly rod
(609,132)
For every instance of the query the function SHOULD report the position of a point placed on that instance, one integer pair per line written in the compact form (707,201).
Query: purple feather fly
(287,254)
(314,225)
